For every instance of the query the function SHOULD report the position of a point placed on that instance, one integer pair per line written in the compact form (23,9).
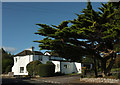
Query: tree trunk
(112,61)
(103,67)
(106,69)
(95,67)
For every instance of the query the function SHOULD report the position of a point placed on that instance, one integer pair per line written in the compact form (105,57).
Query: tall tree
(92,33)
(7,61)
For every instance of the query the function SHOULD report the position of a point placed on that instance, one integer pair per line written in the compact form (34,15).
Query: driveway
(14,81)
(58,80)
(66,80)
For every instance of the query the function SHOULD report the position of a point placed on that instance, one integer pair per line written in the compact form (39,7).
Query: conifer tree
(92,33)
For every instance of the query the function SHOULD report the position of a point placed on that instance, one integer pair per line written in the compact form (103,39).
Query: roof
(28,52)
(47,52)
(52,53)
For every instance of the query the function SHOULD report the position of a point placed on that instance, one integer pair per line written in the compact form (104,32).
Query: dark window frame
(21,69)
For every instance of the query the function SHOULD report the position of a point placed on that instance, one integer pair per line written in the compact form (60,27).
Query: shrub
(116,75)
(47,69)
(31,67)
(117,62)
(49,62)
(115,70)
(8,69)
(37,68)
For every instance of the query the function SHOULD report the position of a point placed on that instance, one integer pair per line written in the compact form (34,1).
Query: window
(21,69)
(40,58)
(16,59)
(65,66)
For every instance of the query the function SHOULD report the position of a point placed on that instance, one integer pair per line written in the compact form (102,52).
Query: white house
(23,58)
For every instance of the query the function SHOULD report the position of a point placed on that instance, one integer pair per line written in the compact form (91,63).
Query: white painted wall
(57,66)
(22,61)
(77,67)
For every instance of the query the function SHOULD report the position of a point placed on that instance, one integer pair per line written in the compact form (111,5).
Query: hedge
(31,67)
(37,68)
(45,70)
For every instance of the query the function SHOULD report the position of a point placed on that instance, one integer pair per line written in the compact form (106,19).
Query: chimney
(32,48)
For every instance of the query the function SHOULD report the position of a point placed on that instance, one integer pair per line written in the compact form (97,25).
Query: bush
(115,70)
(37,68)
(117,62)
(8,69)
(47,69)
(116,75)
(49,62)
(31,67)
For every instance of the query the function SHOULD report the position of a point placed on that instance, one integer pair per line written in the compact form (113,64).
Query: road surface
(58,80)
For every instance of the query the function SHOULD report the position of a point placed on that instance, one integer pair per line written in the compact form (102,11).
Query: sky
(19,21)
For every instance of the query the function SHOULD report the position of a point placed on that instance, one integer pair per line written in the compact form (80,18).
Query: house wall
(56,58)
(67,67)
(45,59)
(70,67)
(77,67)
(57,65)
(22,61)
(63,67)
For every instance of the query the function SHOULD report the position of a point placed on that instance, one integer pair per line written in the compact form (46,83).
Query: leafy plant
(7,61)
(93,33)
(47,69)
(32,67)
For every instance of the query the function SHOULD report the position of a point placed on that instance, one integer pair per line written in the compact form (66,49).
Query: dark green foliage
(7,61)
(49,62)
(8,69)
(32,67)
(92,33)
(116,75)
(117,62)
(37,68)
(116,72)
(45,70)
